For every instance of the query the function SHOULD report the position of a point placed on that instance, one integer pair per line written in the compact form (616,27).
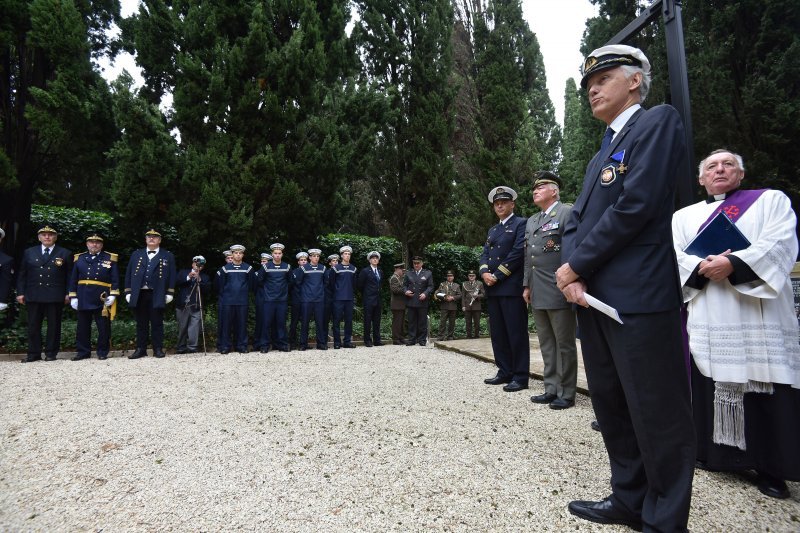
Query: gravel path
(403,439)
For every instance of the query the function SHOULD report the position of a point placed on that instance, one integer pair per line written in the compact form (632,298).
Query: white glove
(128,298)
(169,298)
(110,301)
(3,306)
(74,303)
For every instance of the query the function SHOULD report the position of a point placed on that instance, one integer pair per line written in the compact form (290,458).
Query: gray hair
(644,87)
(736,156)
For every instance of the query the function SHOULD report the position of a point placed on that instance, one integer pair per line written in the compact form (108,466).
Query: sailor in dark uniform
(330,287)
(297,306)
(93,290)
(272,281)
(343,282)
(42,286)
(259,303)
(233,285)
(502,269)
(149,287)
(309,278)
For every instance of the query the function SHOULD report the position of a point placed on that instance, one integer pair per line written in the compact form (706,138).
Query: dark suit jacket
(504,256)
(6,273)
(418,284)
(162,276)
(619,236)
(369,286)
(44,281)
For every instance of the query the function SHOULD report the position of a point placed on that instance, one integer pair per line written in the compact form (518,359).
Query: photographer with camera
(193,286)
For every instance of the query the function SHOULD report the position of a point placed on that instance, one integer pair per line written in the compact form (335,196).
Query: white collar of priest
(717,197)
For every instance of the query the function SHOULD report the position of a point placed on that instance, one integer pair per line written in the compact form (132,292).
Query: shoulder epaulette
(75,258)
(114,257)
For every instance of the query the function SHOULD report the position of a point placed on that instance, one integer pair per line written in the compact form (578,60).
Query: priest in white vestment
(742,329)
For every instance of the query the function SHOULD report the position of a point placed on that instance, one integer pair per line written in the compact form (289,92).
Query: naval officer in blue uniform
(93,291)
(149,287)
(42,286)
(272,282)
(502,270)
(343,282)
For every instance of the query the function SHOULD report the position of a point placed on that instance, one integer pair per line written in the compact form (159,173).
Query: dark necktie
(46,254)
(606,139)
(377,276)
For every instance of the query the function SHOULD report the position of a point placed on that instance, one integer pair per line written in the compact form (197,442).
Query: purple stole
(734,206)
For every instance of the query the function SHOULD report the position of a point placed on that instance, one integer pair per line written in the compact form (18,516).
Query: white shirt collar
(618,123)
(46,248)
(506,219)
(552,206)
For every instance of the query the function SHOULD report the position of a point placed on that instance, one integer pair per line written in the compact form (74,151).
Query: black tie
(46,254)
(606,139)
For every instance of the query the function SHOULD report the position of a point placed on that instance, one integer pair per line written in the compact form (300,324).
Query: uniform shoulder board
(75,258)
(114,257)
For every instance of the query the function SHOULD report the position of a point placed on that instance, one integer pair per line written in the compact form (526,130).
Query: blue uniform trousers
(317,310)
(38,312)
(342,309)
(233,320)
(273,328)
(297,311)
(83,337)
(372,323)
(149,321)
(509,332)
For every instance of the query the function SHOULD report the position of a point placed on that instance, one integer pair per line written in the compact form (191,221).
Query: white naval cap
(301,255)
(313,251)
(276,246)
(344,249)
(237,248)
(372,254)
(502,192)
(611,56)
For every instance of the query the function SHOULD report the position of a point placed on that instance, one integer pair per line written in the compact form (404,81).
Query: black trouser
(149,320)
(372,321)
(640,394)
(38,312)
(83,334)
(417,324)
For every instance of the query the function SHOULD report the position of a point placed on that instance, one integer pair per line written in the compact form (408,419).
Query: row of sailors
(317,292)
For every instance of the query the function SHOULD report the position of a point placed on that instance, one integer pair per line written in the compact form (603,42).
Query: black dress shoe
(80,357)
(182,351)
(547,397)
(497,380)
(398,343)
(772,486)
(515,386)
(159,353)
(303,348)
(337,346)
(423,343)
(368,344)
(285,349)
(350,345)
(137,354)
(50,358)
(595,425)
(321,347)
(604,512)
(102,357)
(561,403)
(410,343)
(264,350)
(224,352)
(378,344)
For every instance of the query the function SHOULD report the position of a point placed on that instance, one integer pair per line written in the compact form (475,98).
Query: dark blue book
(719,235)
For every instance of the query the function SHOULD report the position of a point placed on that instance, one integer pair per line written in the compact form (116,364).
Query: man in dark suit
(553,315)
(6,275)
(42,286)
(149,287)
(93,288)
(417,286)
(369,283)
(618,248)
(502,269)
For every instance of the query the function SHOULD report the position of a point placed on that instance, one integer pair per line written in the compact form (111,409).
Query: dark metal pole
(678,79)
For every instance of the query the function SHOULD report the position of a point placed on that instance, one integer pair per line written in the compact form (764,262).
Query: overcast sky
(558,25)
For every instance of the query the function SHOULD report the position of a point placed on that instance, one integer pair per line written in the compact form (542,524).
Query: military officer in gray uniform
(554,317)
(472,292)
